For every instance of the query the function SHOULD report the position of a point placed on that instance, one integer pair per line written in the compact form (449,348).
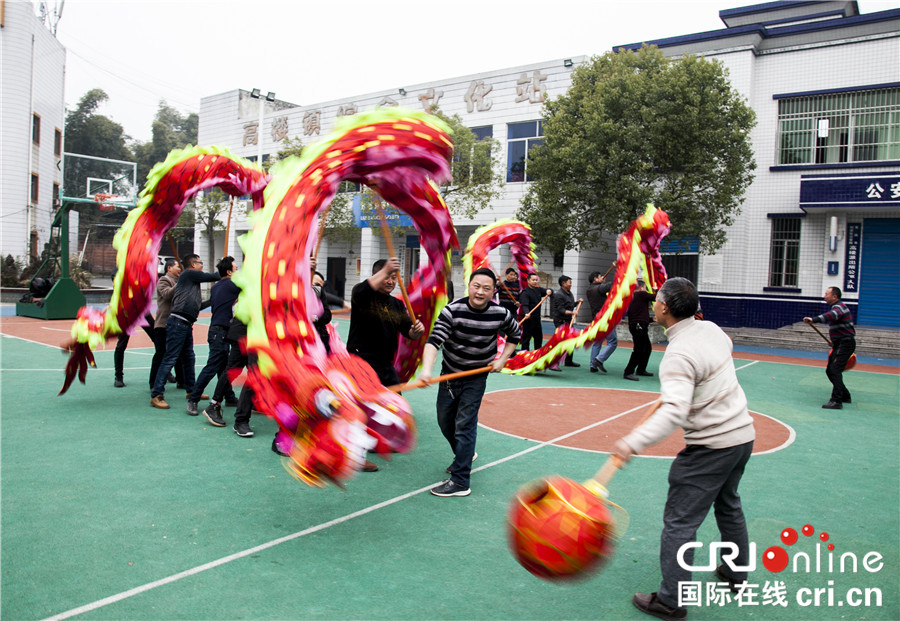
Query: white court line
(749,364)
(112,599)
(19,338)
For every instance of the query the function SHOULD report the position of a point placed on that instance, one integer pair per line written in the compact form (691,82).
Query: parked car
(161,267)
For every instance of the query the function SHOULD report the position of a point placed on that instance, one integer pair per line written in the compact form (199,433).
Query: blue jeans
(216,363)
(602,355)
(458,402)
(179,341)
(701,477)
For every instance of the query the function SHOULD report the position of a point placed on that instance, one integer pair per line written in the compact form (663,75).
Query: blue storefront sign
(370,219)
(851,274)
(856,191)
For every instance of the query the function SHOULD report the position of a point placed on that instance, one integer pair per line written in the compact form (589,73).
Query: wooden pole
(575,314)
(819,332)
(609,270)
(386,231)
(546,295)
(438,379)
(228,228)
(612,465)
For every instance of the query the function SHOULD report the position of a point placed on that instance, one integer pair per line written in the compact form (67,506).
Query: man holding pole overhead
(467,330)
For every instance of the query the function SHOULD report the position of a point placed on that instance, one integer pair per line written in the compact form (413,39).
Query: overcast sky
(142,51)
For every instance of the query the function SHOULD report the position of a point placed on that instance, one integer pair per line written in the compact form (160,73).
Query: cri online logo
(776,558)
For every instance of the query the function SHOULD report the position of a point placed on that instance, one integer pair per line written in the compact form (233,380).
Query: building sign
(850,191)
(370,218)
(851,274)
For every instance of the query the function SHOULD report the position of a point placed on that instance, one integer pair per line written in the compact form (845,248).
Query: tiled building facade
(823,209)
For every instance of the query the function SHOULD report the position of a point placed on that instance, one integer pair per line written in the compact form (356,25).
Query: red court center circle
(542,414)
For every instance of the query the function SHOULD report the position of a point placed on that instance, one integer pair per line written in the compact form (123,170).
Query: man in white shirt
(700,393)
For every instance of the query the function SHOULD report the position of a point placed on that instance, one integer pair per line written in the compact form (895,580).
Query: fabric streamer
(638,249)
(330,408)
(170,185)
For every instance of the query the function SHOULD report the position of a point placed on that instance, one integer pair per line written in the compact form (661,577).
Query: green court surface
(114,510)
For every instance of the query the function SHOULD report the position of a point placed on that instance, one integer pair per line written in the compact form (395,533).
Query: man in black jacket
(563,312)
(639,326)
(186,305)
(376,318)
(530,297)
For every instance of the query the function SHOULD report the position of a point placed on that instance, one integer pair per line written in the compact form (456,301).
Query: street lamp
(270,96)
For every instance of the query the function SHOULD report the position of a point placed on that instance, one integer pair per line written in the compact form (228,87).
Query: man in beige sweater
(700,394)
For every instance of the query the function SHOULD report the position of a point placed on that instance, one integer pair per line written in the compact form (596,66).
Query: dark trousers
(458,402)
(179,345)
(532,331)
(159,343)
(843,347)
(217,362)
(245,401)
(119,355)
(640,355)
(236,360)
(701,477)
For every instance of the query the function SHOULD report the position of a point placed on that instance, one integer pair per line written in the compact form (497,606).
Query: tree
(477,177)
(633,128)
(94,134)
(171,130)
(205,212)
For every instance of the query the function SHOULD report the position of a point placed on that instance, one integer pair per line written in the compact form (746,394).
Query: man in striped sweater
(843,339)
(467,330)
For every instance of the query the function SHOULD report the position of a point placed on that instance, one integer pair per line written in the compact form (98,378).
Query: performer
(222,297)
(639,326)
(509,291)
(843,339)
(563,311)
(467,330)
(700,393)
(165,289)
(596,294)
(376,318)
(528,299)
(186,305)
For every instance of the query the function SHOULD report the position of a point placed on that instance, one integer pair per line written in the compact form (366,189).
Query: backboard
(87,175)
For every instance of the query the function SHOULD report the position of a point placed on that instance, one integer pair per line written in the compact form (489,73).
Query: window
(36,128)
(57,142)
(34,188)
(56,202)
(835,128)
(784,260)
(477,163)
(521,138)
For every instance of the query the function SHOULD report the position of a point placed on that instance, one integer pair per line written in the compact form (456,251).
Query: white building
(824,207)
(32,115)
(823,210)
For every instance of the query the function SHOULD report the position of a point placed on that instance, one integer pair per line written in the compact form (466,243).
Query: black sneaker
(213,414)
(449,488)
(632,377)
(648,603)
(171,379)
(192,408)
(833,405)
(644,374)
(275,448)
(232,403)
(243,430)
(119,383)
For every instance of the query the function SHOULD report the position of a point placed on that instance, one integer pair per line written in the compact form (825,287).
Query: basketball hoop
(104,201)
